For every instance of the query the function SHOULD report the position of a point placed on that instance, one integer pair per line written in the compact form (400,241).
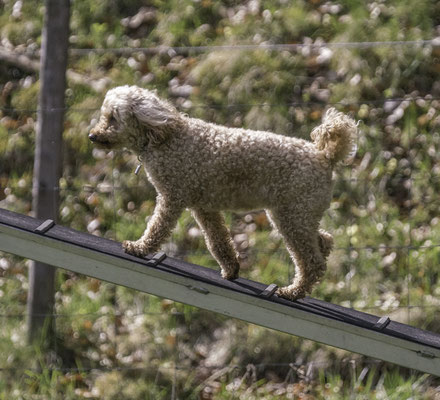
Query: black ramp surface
(212,277)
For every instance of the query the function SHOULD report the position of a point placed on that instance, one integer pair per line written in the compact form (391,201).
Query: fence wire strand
(342,103)
(293,364)
(253,47)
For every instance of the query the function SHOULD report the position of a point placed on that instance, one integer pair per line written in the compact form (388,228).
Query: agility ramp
(202,287)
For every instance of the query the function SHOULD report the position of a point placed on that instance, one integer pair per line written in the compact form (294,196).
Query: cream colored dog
(209,168)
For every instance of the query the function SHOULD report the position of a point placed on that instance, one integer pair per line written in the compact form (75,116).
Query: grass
(384,214)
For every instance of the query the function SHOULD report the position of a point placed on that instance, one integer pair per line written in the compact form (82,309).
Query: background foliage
(384,216)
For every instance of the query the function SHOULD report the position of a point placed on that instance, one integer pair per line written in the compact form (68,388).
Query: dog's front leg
(159,227)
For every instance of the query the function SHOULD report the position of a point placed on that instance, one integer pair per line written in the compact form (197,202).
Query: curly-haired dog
(209,168)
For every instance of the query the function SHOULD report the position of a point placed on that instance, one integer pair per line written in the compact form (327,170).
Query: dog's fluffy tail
(336,136)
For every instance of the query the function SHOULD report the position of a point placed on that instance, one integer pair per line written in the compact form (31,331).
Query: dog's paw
(135,248)
(230,274)
(291,293)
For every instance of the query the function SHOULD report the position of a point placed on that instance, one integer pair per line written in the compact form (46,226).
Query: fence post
(48,157)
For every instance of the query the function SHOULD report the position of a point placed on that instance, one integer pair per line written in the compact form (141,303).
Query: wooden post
(48,156)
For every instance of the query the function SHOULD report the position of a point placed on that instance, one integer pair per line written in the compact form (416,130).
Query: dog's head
(134,118)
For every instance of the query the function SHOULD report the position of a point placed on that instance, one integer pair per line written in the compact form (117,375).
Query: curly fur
(209,168)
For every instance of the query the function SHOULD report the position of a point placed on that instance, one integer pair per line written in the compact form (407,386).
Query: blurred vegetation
(384,215)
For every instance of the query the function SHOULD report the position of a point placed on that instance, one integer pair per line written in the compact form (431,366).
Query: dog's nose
(93,137)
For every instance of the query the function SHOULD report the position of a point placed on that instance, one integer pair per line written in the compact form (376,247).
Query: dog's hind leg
(307,247)
(219,241)
(159,227)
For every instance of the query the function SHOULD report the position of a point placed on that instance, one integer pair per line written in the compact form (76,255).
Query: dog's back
(228,168)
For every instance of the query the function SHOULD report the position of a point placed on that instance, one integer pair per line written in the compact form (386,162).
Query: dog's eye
(112,120)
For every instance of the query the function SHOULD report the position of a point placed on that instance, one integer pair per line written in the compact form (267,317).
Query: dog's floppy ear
(150,114)
(151,111)
(158,116)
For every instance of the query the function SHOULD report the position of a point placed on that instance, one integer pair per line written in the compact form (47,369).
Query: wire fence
(304,368)
(293,364)
(106,188)
(97,315)
(318,44)
(126,51)
(427,245)
(254,47)
(345,103)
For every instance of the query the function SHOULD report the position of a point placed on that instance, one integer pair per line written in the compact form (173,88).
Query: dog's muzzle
(97,140)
